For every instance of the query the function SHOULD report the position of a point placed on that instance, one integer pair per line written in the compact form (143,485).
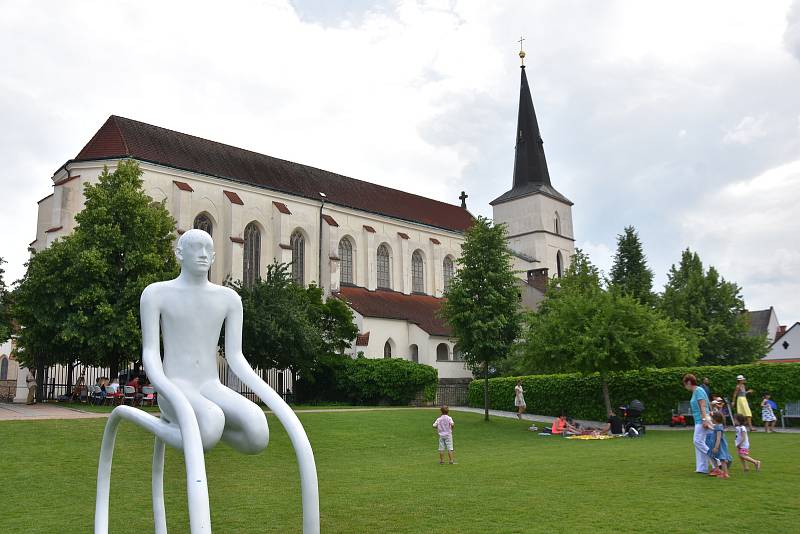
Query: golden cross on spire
(521,51)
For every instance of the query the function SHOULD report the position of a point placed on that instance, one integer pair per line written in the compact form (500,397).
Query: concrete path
(548,419)
(24,412)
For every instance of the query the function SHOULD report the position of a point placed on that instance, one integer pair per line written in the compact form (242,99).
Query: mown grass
(379,472)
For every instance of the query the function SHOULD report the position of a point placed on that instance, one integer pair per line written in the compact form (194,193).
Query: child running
(743,443)
(718,447)
(444,427)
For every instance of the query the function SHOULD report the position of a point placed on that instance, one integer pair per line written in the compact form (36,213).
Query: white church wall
(787,347)
(383,330)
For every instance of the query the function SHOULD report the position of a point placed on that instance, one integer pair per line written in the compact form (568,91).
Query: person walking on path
(768,413)
(519,399)
(702,422)
(30,381)
(740,399)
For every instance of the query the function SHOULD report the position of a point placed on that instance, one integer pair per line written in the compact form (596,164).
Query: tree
(5,317)
(482,304)
(582,327)
(123,242)
(713,307)
(288,326)
(630,273)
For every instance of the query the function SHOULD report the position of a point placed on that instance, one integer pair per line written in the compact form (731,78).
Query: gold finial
(521,51)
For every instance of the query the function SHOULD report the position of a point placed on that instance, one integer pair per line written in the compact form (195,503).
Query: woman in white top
(519,399)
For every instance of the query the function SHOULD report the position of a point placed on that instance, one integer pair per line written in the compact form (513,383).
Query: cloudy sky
(681,118)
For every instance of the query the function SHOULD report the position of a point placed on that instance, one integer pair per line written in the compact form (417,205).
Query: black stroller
(632,421)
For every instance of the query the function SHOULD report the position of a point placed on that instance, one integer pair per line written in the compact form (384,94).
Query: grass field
(379,472)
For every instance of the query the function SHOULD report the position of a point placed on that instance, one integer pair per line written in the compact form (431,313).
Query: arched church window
(384,272)
(387,350)
(557,224)
(457,354)
(414,350)
(298,243)
(559,265)
(203,222)
(442,352)
(345,262)
(4,368)
(251,268)
(447,269)
(417,273)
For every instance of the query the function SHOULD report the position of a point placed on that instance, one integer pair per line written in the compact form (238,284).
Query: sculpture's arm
(305,456)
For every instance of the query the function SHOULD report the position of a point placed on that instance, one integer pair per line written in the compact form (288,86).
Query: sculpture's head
(195,251)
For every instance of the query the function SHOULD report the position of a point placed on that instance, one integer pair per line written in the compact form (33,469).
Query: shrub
(660,389)
(322,382)
(392,381)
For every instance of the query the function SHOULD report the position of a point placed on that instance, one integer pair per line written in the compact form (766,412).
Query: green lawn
(379,472)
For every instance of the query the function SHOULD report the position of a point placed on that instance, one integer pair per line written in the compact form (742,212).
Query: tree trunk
(113,370)
(485,391)
(70,371)
(606,398)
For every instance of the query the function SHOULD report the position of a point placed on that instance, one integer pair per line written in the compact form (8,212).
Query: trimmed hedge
(387,381)
(661,390)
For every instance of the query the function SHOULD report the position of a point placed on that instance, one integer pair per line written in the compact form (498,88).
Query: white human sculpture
(197,411)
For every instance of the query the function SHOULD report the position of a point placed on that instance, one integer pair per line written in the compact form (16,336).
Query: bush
(387,381)
(322,383)
(660,389)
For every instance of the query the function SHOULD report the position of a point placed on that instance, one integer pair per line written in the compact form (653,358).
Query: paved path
(549,420)
(23,412)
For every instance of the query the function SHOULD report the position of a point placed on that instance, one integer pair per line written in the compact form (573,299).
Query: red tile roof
(330,220)
(121,137)
(281,207)
(233,197)
(183,186)
(421,310)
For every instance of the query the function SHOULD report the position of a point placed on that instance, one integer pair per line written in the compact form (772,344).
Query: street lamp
(323,197)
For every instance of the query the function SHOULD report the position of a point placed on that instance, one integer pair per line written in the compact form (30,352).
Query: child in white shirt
(743,443)
(444,427)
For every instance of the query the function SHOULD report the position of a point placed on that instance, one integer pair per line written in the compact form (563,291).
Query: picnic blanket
(590,436)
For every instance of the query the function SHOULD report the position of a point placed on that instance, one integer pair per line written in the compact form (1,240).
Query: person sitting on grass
(613,425)
(718,446)
(444,427)
(559,425)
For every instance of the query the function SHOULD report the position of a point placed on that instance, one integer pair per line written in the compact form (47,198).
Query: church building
(388,253)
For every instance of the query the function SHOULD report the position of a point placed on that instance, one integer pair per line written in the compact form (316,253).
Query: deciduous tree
(482,305)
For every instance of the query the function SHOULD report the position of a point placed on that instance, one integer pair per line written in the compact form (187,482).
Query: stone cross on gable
(463,198)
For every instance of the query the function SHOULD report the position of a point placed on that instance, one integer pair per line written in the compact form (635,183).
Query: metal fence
(451,395)
(58,382)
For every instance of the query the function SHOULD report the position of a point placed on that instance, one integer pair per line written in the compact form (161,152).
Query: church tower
(539,218)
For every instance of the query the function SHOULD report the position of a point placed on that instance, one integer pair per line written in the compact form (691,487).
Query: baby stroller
(632,421)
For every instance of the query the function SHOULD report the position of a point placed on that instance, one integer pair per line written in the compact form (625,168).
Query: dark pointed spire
(530,166)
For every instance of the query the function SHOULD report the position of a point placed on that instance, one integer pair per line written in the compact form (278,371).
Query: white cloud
(600,254)
(750,231)
(748,130)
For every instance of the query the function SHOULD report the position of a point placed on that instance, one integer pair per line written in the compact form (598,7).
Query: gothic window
(384,273)
(417,273)
(4,368)
(345,262)
(442,352)
(447,269)
(557,224)
(457,354)
(387,350)
(414,350)
(559,265)
(297,242)
(251,268)
(203,222)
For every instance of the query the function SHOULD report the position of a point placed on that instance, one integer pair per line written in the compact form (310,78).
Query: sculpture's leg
(159,513)
(187,439)
(305,456)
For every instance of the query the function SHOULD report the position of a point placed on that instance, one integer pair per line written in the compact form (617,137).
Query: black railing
(452,395)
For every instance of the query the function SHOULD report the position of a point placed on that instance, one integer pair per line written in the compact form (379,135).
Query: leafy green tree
(288,326)
(123,242)
(5,317)
(582,327)
(630,273)
(482,305)
(713,307)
